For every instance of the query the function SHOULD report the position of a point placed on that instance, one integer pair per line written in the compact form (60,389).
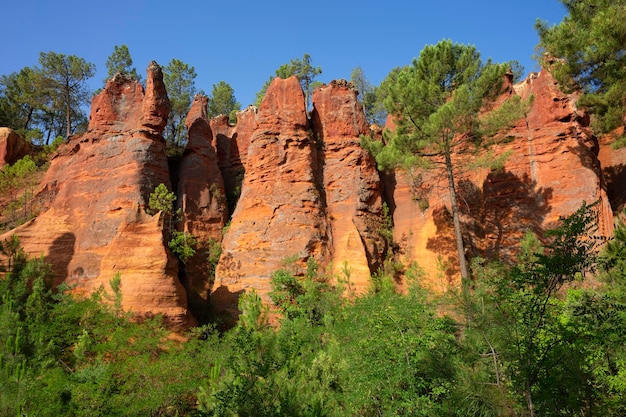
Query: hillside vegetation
(538,335)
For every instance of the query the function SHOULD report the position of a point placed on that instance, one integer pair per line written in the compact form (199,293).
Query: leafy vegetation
(63,79)
(18,182)
(222,101)
(369,97)
(498,353)
(120,62)
(65,355)
(435,103)
(46,100)
(179,79)
(540,336)
(183,245)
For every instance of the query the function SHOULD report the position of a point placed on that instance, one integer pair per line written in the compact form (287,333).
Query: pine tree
(435,104)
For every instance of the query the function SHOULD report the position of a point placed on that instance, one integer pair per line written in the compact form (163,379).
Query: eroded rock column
(280,213)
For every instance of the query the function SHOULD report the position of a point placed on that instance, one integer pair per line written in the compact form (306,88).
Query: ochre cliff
(12,146)
(95,193)
(280,212)
(551,169)
(351,186)
(283,183)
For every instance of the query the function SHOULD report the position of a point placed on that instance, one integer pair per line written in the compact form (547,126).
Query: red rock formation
(97,187)
(351,184)
(561,152)
(307,190)
(242,134)
(280,212)
(12,147)
(551,170)
(201,198)
(200,184)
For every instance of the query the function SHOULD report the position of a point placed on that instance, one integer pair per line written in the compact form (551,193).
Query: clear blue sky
(244,42)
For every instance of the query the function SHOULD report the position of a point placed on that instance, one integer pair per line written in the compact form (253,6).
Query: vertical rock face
(12,147)
(201,198)
(351,184)
(200,183)
(297,188)
(232,144)
(280,212)
(552,168)
(96,190)
(562,151)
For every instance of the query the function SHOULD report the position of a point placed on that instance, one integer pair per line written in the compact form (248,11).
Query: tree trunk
(31,110)
(529,402)
(68,111)
(460,247)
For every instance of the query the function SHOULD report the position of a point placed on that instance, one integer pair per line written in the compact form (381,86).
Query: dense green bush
(499,352)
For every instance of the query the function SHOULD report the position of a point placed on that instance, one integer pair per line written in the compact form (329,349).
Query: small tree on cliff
(121,62)
(368,95)
(222,101)
(435,104)
(162,200)
(179,82)
(181,243)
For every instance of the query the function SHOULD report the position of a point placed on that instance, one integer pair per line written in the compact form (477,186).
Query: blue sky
(244,42)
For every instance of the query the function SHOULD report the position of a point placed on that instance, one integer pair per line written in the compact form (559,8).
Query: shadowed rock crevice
(615,178)
(613,163)
(201,199)
(60,256)
(231,144)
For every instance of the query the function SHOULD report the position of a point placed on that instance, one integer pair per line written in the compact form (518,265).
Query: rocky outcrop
(200,184)
(551,169)
(351,185)
(96,190)
(12,147)
(280,213)
(296,188)
(202,201)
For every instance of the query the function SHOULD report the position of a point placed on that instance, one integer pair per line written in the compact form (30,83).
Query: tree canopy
(179,79)
(222,100)
(121,62)
(64,78)
(587,51)
(368,95)
(20,99)
(46,99)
